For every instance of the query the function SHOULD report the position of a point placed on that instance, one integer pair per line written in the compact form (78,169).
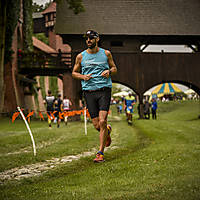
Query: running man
(96,66)
(66,107)
(49,101)
(129,102)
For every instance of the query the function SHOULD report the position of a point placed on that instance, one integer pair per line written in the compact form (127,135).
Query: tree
(9,15)
(75,5)
(27,25)
(37,8)
(3,7)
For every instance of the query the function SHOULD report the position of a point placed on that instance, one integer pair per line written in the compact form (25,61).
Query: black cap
(91,34)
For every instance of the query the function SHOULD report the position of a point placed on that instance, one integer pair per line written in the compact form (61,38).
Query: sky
(40,2)
(168,48)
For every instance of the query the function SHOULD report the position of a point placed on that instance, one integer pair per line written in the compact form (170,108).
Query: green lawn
(154,159)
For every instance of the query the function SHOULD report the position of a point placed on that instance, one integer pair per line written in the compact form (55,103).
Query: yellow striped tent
(166,88)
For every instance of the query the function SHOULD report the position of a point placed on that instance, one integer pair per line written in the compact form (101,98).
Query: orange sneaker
(108,140)
(99,158)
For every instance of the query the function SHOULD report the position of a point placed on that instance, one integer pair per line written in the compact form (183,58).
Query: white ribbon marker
(29,130)
(85,119)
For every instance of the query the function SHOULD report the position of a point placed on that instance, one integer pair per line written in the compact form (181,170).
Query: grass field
(153,159)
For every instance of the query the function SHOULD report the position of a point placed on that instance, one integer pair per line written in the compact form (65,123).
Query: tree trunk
(3,6)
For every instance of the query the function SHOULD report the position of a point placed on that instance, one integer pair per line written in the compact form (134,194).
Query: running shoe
(99,158)
(108,140)
(130,122)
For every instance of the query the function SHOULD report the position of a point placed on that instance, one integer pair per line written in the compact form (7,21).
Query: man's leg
(95,122)
(65,118)
(100,155)
(100,123)
(130,121)
(58,121)
(103,129)
(153,114)
(49,120)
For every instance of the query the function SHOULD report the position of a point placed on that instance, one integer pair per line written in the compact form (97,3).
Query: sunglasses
(90,37)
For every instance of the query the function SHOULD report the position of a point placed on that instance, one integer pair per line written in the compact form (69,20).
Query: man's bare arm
(113,68)
(76,70)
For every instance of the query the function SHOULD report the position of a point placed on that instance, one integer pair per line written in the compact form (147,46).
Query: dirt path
(40,168)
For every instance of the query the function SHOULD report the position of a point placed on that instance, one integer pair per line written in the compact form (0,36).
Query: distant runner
(58,108)
(66,107)
(49,101)
(129,102)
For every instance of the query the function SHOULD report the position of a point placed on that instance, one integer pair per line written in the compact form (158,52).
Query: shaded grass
(155,159)
(67,140)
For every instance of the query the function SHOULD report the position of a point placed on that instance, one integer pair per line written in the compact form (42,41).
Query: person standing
(129,102)
(49,101)
(154,107)
(58,108)
(66,107)
(147,109)
(97,66)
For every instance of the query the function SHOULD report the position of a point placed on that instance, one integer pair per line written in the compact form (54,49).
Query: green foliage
(13,9)
(75,5)
(36,99)
(42,37)
(53,85)
(42,86)
(115,89)
(39,8)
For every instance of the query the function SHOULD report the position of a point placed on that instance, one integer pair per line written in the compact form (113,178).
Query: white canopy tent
(189,91)
(120,94)
(147,93)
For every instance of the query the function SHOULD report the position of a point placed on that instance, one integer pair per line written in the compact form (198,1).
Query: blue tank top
(95,64)
(129,100)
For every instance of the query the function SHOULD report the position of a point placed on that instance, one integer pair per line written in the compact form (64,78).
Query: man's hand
(106,73)
(87,77)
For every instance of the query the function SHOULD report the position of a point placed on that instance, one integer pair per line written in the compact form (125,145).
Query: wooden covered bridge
(127,27)
(124,26)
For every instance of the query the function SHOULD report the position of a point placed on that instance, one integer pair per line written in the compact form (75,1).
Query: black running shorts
(97,100)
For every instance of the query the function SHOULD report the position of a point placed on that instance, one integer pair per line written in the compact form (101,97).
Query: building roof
(42,46)
(50,9)
(131,17)
(37,15)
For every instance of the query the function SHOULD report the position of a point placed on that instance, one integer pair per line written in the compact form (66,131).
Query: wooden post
(141,106)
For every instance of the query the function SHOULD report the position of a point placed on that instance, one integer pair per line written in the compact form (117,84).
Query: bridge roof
(131,17)
(42,46)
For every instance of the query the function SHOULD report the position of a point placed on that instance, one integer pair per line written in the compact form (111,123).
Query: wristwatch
(110,71)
